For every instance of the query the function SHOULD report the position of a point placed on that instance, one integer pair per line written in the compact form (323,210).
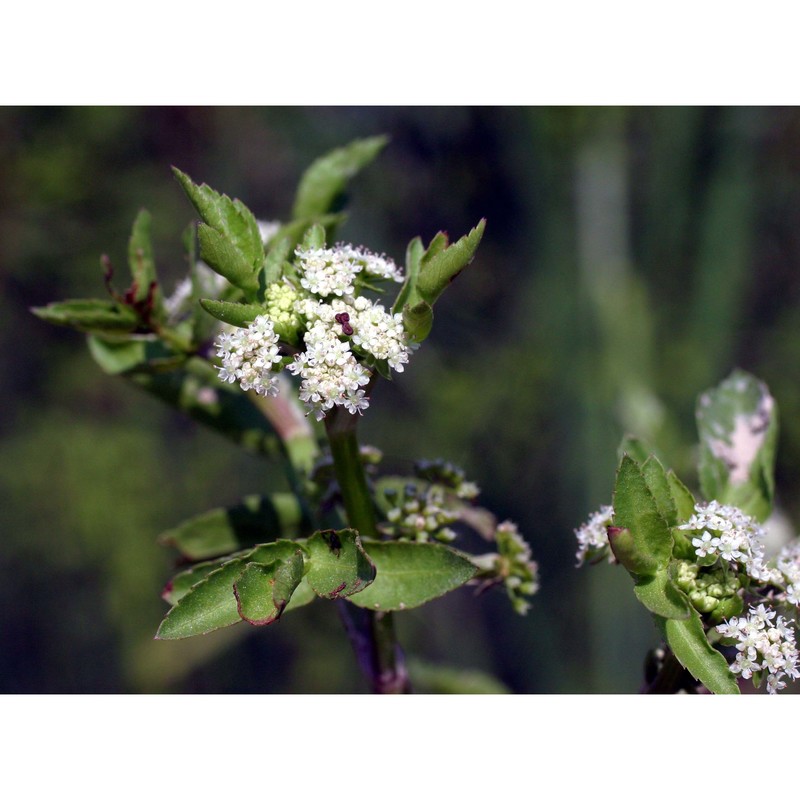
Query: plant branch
(371,633)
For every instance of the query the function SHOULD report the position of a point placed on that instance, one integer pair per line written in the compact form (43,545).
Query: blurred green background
(632,258)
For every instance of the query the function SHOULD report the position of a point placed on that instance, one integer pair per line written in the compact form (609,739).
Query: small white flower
(763,645)
(248,356)
(738,538)
(592,536)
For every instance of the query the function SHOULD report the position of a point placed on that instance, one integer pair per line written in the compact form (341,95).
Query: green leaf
(183,581)
(738,425)
(270,552)
(338,565)
(222,407)
(224,257)
(314,238)
(239,314)
(263,590)
(657,482)
(687,640)
(140,256)
(659,595)
(414,253)
(440,266)
(681,496)
(207,606)
(635,448)
(229,218)
(295,231)
(302,596)
(410,574)
(635,510)
(277,256)
(325,180)
(90,316)
(129,355)
(225,530)
(418,321)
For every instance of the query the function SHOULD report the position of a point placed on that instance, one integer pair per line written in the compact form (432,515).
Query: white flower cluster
(592,536)
(331,375)
(248,355)
(788,565)
(763,645)
(338,330)
(730,534)
(333,271)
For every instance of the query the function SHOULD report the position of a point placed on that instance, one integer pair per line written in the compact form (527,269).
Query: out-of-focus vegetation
(632,258)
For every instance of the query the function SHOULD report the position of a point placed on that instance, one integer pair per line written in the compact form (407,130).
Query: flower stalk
(371,633)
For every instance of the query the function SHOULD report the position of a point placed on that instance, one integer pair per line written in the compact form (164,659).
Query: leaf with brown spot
(338,565)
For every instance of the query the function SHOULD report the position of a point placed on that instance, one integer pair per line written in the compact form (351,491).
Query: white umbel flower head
(592,536)
(248,355)
(330,373)
(332,271)
(788,565)
(730,534)
(763,646)
(379,266)
(326,272)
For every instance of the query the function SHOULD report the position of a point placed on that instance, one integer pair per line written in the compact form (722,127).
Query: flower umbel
(248,356)
(344,337)
(763,645)
(728,533)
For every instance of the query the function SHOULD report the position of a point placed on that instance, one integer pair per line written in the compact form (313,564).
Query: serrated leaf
(90,316)
(410,574)
(738,426)
(219,252)
(239,314)
(681,496)
(314,238)
(439,268)
(687,640)
(636,511)
(658,594)
(140,256)
(656,479)
(263,590)
(207,606)
(224,530)
(229,218)
(326,178)
(337,564)
(130,355)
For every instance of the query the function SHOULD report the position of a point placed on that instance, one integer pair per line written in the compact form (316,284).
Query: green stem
(371,633)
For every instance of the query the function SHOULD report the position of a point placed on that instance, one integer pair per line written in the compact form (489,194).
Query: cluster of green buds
(418,514)
(515,565)
(424,509)
(715,593)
